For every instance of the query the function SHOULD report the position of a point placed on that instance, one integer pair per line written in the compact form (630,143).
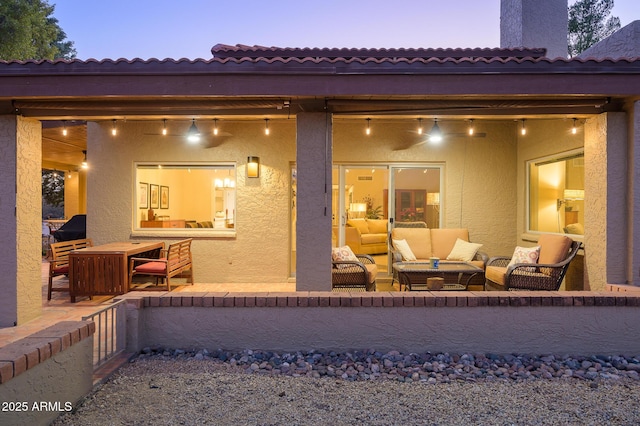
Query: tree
(53,188)
(589,22)
(28,31)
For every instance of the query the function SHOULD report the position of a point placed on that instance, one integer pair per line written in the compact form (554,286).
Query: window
(195,196)
(556,193)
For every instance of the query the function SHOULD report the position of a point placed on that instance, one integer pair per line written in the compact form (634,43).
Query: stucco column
(313,208)
(633,249)
(606,184)
(21,224)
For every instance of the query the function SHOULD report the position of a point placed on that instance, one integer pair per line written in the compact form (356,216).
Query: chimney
(535,24)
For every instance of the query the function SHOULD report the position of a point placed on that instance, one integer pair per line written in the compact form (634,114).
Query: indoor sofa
(366,236)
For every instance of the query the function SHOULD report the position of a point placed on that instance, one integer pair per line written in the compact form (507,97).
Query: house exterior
(317,105)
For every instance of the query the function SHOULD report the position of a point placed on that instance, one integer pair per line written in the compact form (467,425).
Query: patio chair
(556,252)
(59,263)
(175,260)
(349,275)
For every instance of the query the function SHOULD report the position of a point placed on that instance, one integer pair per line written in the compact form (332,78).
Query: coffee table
(456,275)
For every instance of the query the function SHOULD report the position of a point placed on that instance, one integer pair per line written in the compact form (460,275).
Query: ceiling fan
(434,136)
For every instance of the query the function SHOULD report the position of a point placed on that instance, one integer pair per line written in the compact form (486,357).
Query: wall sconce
(253,167)
(570,195)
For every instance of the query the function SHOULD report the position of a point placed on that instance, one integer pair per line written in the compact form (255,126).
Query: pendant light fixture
(471,129)
(266,126)
(368,131)
(84,163)
(574,129)
(523,130)
(64,128)
(114,130)
(164,127)
(193,134)
(215,126)
(435,136)
(420,128)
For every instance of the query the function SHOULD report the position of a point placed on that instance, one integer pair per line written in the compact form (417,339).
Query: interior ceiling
(66,152)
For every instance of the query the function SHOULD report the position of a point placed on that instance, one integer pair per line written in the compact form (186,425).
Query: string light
(266,126)
(215,126)
(114,131)
(64,129)
(164,127)
(574,129)
(523,130)
(420,128)
(471,128)
(368,131)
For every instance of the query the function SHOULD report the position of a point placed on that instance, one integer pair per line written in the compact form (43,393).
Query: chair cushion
(373,238)
(405,251)
(361,224)
(151,268)
(377,226)
(443,240)
(419,240)
(575,228)
(61,270)
(463,251)
(496,274)
(553,248)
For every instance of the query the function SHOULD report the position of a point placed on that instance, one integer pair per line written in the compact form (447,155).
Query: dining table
(103,270)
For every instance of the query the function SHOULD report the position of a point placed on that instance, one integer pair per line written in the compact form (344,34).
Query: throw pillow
(343,253)
(403,247)
(463,251)
(525,255)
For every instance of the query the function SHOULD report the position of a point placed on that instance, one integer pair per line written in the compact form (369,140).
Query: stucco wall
(21,209)
(489,322)
(535,23)
(260,250)
(606,183)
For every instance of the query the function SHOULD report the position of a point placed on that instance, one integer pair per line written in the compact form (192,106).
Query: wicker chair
(527,276)
(354,276)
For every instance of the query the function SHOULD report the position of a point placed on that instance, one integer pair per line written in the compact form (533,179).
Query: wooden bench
(59,263)
(175,260)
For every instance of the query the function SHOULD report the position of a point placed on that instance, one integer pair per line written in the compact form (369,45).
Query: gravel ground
(174,387)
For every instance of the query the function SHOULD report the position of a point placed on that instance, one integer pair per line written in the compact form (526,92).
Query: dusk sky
(189,28)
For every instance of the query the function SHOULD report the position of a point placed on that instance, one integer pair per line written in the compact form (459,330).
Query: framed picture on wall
(154,195)
(143,195)
(164,197)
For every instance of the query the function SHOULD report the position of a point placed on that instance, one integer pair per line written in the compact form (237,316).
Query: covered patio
(317,105)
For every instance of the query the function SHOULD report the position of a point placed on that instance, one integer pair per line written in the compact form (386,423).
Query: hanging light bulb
(164,127)
(266,126)
(114,130)
(69,174)
(84,164)
(215,126)
(435,136)
(472,129)
(368,131)
(193,134)
(420,128)
(64,128)
(523,130)
(574,129)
